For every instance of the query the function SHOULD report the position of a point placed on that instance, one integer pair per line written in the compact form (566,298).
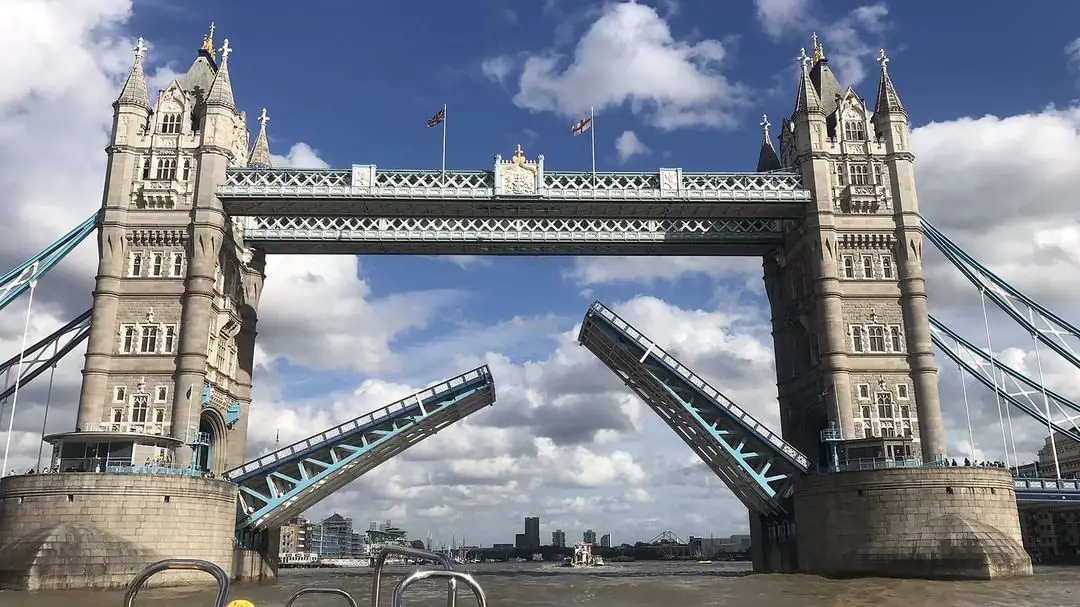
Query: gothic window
(166,169)
(905,411)
(884,405)
(857,339)
(177,265)
(135,269)
(128,345)
(901,392)
(161,394)
(146,168)
(170,339)
(148,341)
(888,429)
(868,266)
(222,359)
(140,406)
(117,415)
(854,130)
(841,175)
(907,430)
(868,432)
(867,411)
(876,338)
(864,391)
(119,394)
(886,266)
(896,341)
(878,174)
(159,416)
(157,261)
(859,174)
(170,124)
(185,174)
(849,266)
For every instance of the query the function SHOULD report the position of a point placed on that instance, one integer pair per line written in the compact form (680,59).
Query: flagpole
(444,138)
(592,136)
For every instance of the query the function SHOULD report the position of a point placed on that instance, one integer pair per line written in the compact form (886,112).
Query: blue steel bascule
(520,208)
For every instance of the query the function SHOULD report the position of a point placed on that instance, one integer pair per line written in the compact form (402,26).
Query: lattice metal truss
(1013,386)
(17,281)
(41,356)
(1055,332)
(510,236)
(1036,490)
(365,181)
(757,465)
(285,483)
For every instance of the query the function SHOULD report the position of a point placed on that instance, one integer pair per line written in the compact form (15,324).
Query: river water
(642,584)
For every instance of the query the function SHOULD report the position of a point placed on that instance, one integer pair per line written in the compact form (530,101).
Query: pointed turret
(888,102)
(221,93)
(807,99)
(767,158)
(260,152)
(821,75)
(134,91)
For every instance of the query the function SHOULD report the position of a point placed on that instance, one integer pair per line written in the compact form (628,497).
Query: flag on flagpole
(437,119)
(581,126)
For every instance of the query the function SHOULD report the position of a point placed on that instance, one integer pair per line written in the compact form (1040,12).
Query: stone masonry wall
(85,530)
(946,523)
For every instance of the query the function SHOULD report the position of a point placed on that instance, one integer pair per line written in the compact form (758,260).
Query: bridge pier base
(97,530)
(773,546)
(924,523)
(256,556)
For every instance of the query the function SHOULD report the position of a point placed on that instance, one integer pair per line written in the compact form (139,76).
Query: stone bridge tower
(168,364)
(847,292)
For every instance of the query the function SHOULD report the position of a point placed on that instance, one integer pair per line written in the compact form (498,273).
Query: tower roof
(888,102)
(767,158)
(808,98)
(134,91)
(260,152)
(221,93)
(200,76)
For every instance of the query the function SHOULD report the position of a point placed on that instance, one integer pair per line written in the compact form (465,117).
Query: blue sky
(990,94)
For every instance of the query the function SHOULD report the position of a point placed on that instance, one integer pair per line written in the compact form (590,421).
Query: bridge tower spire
(847,293)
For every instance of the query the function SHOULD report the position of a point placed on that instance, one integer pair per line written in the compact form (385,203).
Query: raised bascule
(852,484)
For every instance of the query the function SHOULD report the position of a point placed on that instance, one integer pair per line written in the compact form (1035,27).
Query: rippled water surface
(645,584)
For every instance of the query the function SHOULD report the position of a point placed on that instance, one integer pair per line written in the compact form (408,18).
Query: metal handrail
(152,569)
(453,576)
(380,563)
(335,591)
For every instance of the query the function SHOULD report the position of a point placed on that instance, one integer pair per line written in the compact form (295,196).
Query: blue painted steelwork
(994,374)
(17,281)
(41,356)
(1030,490)
(1049,328)
(158,470)
(285,483)
(757,465)
(232,414)
(207,394)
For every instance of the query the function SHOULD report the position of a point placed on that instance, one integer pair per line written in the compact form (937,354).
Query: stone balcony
(862,199)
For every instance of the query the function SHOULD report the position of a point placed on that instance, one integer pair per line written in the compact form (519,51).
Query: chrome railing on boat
(222,578)
(152,569)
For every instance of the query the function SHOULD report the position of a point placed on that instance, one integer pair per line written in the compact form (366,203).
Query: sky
(992,97)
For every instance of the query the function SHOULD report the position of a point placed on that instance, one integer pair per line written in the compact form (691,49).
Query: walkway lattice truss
(281,485)
(757,465)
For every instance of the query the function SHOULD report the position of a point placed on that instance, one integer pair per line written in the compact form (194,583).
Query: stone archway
(212,455)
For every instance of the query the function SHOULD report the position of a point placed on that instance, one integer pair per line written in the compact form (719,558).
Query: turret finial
(226,50)
(883,60)
(765,124)
(818,50)
(140,48)
(264,117)
(208,41)
(804,61)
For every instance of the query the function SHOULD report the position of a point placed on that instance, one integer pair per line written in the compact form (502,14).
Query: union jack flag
(437,119)
(581,126)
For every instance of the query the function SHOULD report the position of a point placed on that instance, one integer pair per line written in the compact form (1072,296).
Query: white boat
(583,557)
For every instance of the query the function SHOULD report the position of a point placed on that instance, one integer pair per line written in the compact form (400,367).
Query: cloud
(497,68)
(778,17)
(629,56)
(627,145)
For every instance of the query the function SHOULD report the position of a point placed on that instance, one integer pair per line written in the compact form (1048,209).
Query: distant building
(589,537)
(605,540)
(502,546)
(712,547)
(532,532)
(519,540)
(558,538)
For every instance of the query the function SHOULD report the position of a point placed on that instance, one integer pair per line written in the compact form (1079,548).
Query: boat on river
(583,557)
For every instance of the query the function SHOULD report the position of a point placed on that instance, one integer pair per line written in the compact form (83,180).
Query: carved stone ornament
(519,176)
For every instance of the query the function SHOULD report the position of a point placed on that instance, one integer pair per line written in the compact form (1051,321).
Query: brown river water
(643,584)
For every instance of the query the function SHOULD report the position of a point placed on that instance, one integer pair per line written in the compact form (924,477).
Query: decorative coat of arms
(518,177)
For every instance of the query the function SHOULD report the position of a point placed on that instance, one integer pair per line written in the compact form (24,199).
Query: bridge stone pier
(852,482)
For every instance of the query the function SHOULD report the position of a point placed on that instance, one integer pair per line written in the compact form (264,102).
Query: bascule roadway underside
(517,209)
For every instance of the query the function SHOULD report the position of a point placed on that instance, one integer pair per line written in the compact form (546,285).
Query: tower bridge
(852,482)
